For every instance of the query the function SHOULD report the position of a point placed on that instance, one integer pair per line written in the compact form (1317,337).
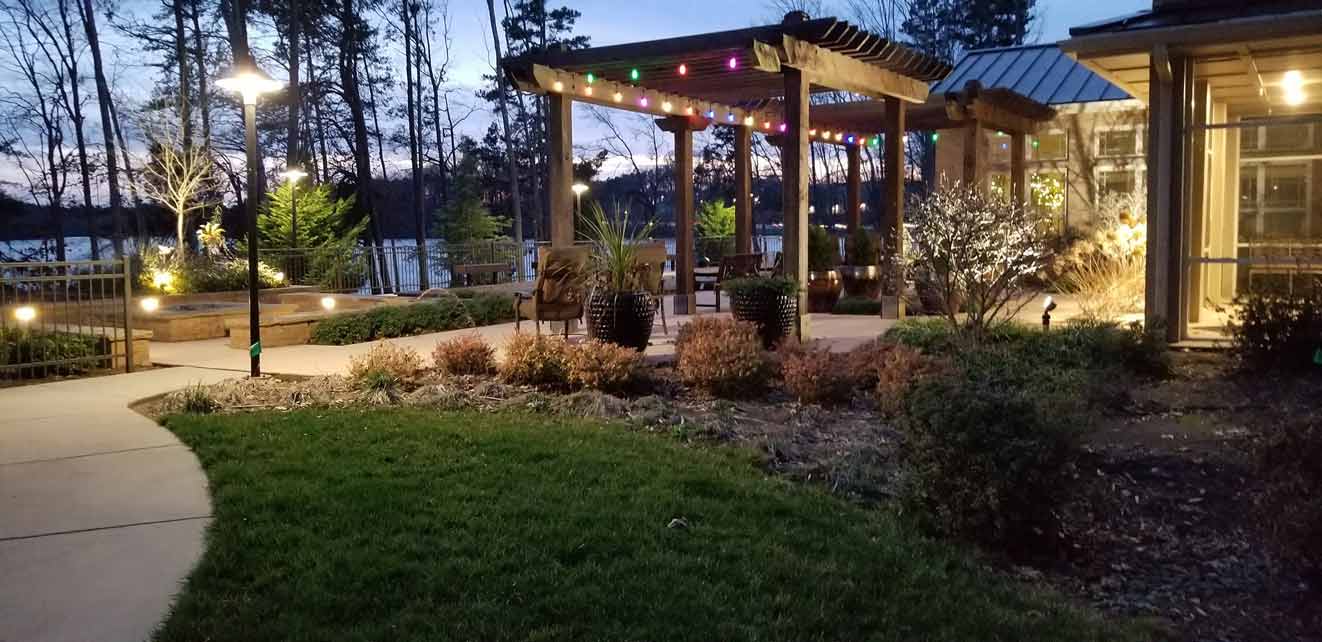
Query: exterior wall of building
(1087,151)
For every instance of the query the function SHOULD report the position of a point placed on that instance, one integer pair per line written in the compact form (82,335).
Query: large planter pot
(622,318)
(774,315)
(861,280)
(823,290)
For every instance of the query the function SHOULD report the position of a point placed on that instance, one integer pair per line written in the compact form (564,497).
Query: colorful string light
(683,69)
(618,96)
(733,63)
(634,75)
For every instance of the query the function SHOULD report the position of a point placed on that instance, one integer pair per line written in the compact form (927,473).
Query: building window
(1277,138)
(1050,146)
(1117,181)
(1274,203)
(1117,142)
(1000,148)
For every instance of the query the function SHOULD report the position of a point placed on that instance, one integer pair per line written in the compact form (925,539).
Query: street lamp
(578,189)
(250,82)
(292,175)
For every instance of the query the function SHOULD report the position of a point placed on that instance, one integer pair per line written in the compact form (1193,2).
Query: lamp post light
(250,82)
(578,189)
(1047,306)
(292,175)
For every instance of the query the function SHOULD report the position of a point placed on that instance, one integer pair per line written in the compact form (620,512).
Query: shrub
(385,364)
(534,360)
(857,305)
(765,286)
(980,253)
(602,366)
(18,346)
(897,370)
(813,375)
(436,315)
(1105,270)
(861,248)
(1277,331)
(1290,461)
(466,355)
(823,249)
(720,356)
(985,461)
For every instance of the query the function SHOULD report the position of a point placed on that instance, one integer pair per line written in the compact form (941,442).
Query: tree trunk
(413,91)
(185,83)
(88,15)
(362,154)
(76,108)
(513,164)
(200,66)
(293,153)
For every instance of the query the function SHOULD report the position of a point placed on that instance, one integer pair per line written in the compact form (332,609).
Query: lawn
(418,525)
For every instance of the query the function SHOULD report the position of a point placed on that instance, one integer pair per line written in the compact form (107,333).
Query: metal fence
(63,318)
(396,268)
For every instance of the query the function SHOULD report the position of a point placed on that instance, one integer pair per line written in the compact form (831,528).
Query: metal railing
(65,318)
(396,269)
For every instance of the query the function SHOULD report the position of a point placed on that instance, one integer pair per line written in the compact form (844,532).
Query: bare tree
(512,164)
(88,17)
(178,177)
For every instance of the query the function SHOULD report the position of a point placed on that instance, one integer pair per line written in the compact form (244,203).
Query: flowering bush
(721,356)
(602,366)
(813,375)
(978,253)
(534,360)
(466,355)
(1105,270)
(386,365)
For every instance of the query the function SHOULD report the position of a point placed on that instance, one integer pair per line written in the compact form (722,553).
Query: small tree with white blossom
(980,254)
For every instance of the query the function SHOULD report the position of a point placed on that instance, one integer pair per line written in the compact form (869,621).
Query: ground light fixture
(24,314)
(250,82)
(1047,306)
(149,304)
(328,303)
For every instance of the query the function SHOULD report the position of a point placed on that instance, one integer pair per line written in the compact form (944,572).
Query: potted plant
(824,284)
(770,303)
(620,310)
(861,272)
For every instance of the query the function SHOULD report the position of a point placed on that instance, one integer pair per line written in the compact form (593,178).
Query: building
(1233,90)
(1093,147)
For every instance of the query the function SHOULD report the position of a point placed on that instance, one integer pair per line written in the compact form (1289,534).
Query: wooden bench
(463,273)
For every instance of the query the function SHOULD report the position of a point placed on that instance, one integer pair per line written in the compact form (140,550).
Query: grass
(417,525)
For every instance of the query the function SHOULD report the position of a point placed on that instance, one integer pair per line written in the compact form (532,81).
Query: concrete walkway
(102,511)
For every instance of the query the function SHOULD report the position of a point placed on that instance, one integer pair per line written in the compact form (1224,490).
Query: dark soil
(1165,524)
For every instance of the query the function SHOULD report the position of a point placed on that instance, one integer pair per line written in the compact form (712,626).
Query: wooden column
(1018,174)
(1166,112)
(743,188)
(794,163)
(892,198)
(683,129)
(854,191)
(560,171)
(974,162)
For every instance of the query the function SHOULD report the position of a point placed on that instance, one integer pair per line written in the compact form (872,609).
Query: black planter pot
(622,318)
(774,315)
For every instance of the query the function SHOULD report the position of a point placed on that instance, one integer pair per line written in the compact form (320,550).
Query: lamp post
(292,176)
(250,82)
(578,189)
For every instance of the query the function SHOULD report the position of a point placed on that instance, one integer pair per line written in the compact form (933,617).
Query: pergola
(758,79)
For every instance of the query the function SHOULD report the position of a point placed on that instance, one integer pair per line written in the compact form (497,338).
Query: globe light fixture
(150,304)
(328,303)
(24,314)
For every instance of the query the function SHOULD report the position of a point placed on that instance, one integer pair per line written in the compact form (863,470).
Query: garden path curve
(102,511)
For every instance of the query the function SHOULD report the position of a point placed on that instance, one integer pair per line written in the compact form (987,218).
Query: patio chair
(654,256)
(559,292)
(733,266)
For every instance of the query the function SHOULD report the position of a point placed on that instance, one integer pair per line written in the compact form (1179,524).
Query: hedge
(439,315)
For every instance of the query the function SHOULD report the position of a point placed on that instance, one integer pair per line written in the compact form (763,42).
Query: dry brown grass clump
(534,360)
(720,356)
(603,366)
(465,355)
(813,375)
(385,367)
(898,370)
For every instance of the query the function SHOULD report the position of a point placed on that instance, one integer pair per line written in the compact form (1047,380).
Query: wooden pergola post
(794,164)
(683,129)
(1018,179)
(893,198)
(560,171)
(743,190)
(973,154)
(854,191)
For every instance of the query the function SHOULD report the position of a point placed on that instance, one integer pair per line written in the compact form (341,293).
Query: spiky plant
(615,264)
